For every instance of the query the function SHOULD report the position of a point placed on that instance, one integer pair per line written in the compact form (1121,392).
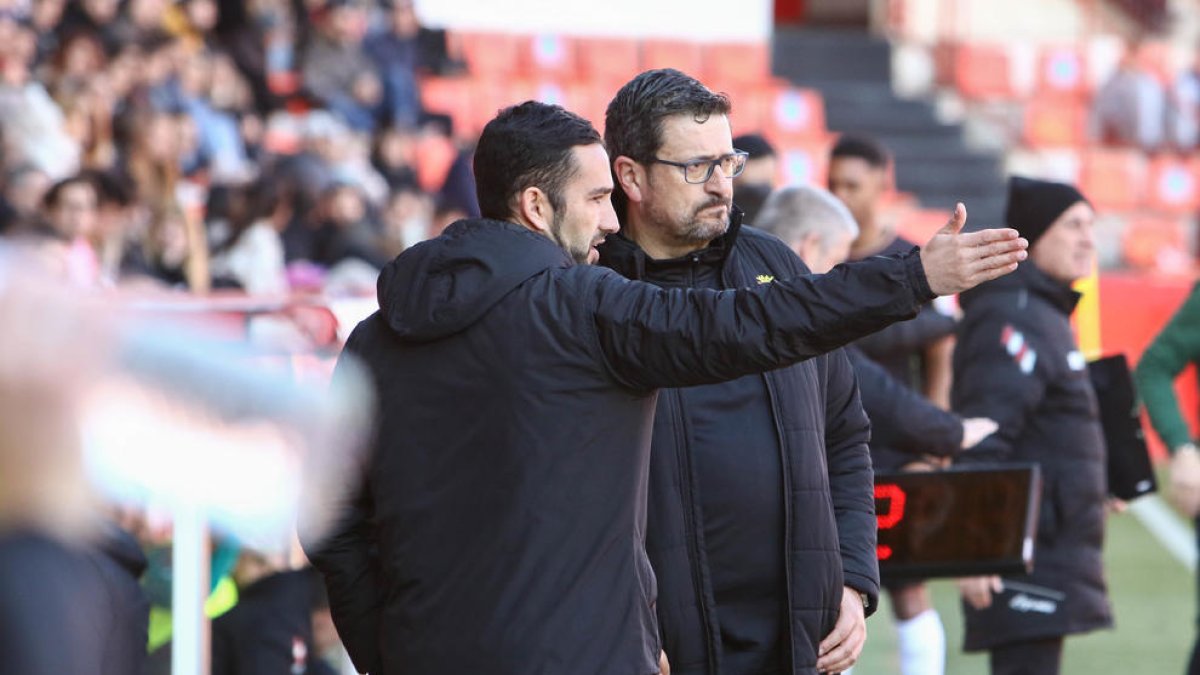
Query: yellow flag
(1087,315)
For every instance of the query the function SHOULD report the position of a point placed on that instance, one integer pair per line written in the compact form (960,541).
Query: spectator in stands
(253,255)
(70,212)
(396,52)
(1183,122)
(33,125)
(1018,362)
(44,18)
(115,230)
(820,229)
(24,188)
(154,152)
(508,304)
(407,219)
(1130,108)
(221,145)
(347,231)
(174,251)
(758,179)
(394,156)
(98,16)
(917,354)
(1176,347)
(336,70)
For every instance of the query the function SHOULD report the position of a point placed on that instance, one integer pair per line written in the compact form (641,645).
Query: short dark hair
(634,120)
(755,144)
(528,145)
(867,149)
(54,194)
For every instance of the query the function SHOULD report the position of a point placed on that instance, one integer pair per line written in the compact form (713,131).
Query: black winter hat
(1034,205)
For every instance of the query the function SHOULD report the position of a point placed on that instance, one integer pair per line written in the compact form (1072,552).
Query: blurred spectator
(757,181)
(407,219)
(153,150)
(445,214)
(1130,108)
(44,18)
(346,230)
(98,16)
(394,156)
(24,188)
(1183,121)
(33,125)
(336,70)
(173,252)
(254,255)
(115,229)
(222,150)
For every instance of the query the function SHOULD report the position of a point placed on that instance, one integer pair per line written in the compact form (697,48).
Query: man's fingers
(995,249)
(836,637)
(843,657)
(957,220)
(988,236)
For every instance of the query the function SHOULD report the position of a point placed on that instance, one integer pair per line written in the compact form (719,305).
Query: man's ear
(631,177)
(534,210)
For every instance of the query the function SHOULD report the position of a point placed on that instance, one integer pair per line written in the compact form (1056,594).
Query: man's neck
(873,240)
(656,246)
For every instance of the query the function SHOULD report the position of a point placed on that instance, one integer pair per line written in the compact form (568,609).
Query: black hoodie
(501,524)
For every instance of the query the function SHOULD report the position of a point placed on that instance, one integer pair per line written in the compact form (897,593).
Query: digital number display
(958,522)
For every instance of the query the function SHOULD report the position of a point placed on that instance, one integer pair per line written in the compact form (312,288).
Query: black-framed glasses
(699,171)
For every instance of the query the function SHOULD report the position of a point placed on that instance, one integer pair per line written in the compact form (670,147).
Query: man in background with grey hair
(820,229)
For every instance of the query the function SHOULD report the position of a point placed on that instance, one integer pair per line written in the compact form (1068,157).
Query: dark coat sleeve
(901,418)
(851,480)
(652,338)
(908,337)
(348,561)
(990,382)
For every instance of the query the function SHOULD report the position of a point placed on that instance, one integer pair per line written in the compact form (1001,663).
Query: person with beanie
(1017,362)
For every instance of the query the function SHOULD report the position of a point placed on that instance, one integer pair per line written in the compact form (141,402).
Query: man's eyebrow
(599,192)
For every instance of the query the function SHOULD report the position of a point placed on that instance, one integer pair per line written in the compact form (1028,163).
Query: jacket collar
(625,257)
(1031,279)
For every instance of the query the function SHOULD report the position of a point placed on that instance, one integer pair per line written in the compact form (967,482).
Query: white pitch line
(1172,531)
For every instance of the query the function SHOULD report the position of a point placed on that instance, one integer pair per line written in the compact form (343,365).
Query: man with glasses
(761,523)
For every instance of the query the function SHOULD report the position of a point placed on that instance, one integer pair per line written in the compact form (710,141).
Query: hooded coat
(500,525)
(1017,362)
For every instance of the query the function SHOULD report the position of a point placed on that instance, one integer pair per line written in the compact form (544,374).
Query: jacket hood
(441,286)
(625,257)
(1027,278)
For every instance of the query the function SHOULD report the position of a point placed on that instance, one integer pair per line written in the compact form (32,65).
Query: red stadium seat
(1062,71)
(685,56)
(609,60)
(491,54)
(1055,122)
(449,96)
(983,72)
(732,63)
(1155,244)
(548,55)
(1174,185)
(804,163)
(1114,180)
(796,113)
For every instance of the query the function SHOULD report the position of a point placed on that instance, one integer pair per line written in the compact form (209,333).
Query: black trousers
(1042,657)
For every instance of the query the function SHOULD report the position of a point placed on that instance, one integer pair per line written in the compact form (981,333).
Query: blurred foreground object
(148,415)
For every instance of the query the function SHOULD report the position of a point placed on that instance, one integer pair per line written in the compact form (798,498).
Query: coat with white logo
(1018,363)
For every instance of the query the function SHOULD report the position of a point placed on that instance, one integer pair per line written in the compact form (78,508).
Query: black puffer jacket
(1017,362)
(506,496)
(829,538)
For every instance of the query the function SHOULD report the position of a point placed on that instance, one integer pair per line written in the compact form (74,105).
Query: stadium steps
(852,70)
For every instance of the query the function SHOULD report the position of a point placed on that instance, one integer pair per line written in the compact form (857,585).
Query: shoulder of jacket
(771,249)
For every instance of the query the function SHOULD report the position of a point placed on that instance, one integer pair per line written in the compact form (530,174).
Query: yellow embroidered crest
(765,278)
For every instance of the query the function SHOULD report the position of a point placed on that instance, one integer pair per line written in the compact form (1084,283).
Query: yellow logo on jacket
(765,278)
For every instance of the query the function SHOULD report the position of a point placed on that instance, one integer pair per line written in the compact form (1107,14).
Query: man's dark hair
(634,120)
(755,144)
(528,145)
(867,149)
